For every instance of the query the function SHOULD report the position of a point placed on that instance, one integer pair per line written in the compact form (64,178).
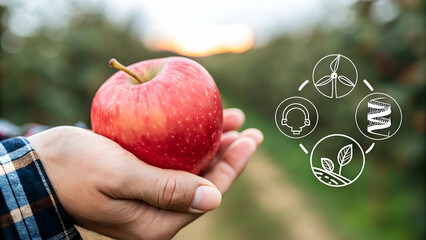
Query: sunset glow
(203,41)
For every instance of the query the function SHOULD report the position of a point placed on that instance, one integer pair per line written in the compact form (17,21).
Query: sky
(188,24)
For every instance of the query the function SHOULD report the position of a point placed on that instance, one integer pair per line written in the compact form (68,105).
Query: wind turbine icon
(334,77)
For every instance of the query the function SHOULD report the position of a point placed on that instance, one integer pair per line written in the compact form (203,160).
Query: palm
(227,166)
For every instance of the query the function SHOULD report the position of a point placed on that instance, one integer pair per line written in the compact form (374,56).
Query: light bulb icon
(296,117)
(296,130)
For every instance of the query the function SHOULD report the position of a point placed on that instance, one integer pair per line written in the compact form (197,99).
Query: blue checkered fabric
(29,208)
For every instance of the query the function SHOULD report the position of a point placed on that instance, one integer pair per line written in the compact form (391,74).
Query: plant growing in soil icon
(343,158)
(334,78)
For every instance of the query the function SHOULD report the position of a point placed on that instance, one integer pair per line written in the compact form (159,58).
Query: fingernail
(206,198)
(238,112)
(253,133)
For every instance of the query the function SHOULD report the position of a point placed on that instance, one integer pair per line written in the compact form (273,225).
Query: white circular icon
(343,163)
(335,76)
(378,116)
(296,117)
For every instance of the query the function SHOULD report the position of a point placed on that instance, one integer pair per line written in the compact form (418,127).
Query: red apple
(166,111)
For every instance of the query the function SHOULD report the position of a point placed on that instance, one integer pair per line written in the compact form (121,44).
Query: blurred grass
(240,215)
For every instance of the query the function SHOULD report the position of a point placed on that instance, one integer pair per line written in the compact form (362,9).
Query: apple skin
(172,121)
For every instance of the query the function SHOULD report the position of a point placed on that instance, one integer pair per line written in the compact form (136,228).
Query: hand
(106,189)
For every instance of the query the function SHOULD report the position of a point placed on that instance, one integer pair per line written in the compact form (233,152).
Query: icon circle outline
(338,135)
(302,136)
(333,55)
(356,119)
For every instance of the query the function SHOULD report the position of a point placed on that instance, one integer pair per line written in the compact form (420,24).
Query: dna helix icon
(377,116)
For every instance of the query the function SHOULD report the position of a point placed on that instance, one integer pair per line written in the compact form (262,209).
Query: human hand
(107,189)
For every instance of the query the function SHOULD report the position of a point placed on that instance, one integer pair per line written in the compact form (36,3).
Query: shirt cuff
(29,208)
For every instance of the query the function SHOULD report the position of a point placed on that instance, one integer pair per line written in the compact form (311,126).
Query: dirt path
(276,195)
(280,197)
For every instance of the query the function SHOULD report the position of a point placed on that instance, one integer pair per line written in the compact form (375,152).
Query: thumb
(168,189)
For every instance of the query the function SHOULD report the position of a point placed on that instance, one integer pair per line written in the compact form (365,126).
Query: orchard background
(51,76)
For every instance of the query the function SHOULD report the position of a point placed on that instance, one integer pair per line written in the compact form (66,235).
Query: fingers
(165,189)
(234,160)
(233,119)
(226,140)
(253,133)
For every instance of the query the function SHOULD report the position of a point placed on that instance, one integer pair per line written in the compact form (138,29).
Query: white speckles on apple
(210,113)
(179,122)
(187,118)
(173,136)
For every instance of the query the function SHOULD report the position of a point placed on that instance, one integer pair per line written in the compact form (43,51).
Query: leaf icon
(345,155)
(334,65)
(323,81)
(344,80)
(327,164)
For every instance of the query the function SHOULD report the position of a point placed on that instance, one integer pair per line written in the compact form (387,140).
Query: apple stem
(117,65)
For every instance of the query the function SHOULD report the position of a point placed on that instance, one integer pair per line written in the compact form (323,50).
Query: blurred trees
(391,56)
(53,78)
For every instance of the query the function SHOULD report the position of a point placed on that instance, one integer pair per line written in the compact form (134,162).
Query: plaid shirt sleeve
(29,208)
